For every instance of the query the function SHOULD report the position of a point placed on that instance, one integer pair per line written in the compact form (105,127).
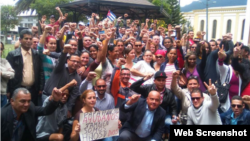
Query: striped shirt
(169,71)
(48,63)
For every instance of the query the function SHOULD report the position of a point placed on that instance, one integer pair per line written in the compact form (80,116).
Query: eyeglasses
(195,98)
(158,57)
(74,61)
(193,47)
(138,45)
(101,86)
(234,105)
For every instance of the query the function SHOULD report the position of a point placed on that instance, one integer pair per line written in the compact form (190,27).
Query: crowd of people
(155,78)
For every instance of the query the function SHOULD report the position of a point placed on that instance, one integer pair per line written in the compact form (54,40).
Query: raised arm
(174,86)
(87,83)
(59,11)
(141,89)
(62,59)
(214,103)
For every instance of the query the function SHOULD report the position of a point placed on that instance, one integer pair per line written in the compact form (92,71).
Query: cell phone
(101,32)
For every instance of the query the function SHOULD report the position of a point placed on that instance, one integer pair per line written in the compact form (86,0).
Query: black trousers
(126,135)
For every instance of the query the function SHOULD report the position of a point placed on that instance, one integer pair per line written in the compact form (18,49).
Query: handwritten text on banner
(99,124)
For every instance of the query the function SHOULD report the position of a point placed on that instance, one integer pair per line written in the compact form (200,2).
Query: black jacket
(168,102)
(29,120)
(138,111)
(244,70)
(15,59)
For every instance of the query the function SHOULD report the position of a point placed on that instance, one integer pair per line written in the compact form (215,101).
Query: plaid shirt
(138,58)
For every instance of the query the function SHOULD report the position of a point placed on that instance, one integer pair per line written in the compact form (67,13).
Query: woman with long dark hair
(170,65)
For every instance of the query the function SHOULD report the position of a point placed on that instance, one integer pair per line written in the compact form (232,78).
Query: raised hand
(91,75)
(222,53)
(99,44)
(66,48)
(47,29)
(210,88)
(147,20)
(56,94)
(237,50)
(72,83)
(148,76)
(176,74)
(134,98)
(43,19)
(178,43)
(125,15)
(57,8)
(46,52)
(121,62)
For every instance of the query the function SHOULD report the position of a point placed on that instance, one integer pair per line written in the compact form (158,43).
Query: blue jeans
(3,100)
(168,122)
(107,139)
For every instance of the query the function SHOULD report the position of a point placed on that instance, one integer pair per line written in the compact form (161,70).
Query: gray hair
(15,93)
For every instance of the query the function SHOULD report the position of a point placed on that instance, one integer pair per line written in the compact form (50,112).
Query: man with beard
(120,87)
(104,101)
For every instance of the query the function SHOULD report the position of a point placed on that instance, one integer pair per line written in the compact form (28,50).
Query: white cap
(81,23)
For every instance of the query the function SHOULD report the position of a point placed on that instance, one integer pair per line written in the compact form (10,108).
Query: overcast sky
(12,2)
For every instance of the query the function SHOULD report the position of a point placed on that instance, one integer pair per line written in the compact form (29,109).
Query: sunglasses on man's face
(101,86)
(195,98)
(234,105)
(158,57)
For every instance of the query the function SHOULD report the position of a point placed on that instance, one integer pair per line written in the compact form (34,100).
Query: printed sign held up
(99,124)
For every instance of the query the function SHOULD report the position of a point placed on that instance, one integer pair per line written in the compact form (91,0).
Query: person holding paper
(89,99)
(146,122)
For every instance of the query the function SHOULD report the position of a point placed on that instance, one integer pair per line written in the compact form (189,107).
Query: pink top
(169,71)
(195,73)
(234,86)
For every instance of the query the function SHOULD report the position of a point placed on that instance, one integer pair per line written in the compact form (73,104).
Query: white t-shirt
(144,68)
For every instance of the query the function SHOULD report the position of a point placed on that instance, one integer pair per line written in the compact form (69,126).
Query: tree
(175,13)
(47,7)
(9,18)
(24,5)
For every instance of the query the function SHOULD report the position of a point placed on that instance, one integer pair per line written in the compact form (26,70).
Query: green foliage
(9,18)
(175,13)
(173,9)
(47,7)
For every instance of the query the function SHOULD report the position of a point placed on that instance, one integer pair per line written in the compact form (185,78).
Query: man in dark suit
(19,116)
(28,67)
(146,122)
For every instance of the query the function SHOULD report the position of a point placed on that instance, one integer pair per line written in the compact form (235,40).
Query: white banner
(99,124)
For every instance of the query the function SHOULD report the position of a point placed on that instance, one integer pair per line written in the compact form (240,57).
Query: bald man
(147,119)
